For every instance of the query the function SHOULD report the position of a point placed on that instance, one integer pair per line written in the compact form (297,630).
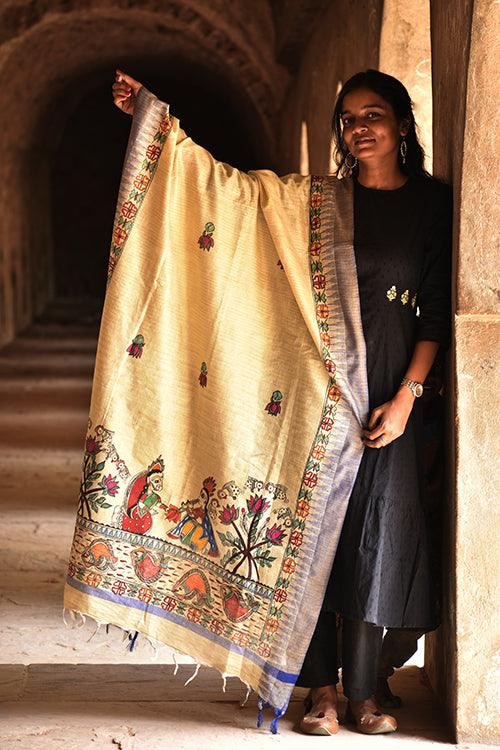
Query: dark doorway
(89,159)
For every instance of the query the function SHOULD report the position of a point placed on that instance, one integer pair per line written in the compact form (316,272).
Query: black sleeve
(434,295)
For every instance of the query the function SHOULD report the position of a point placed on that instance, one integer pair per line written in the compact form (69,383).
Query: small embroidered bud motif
(274,406)
(202,378)
(206,241)
(405,296)
(280,264)
(414,300)
(391,293)
(135,348)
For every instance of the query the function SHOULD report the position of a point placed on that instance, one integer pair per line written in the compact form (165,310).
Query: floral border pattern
(127,212)
(318,451)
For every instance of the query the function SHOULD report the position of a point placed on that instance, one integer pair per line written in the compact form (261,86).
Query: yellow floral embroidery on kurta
(391,293)
(413,300)
(405,296)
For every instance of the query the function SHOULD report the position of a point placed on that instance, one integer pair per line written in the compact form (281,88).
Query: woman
(381,574)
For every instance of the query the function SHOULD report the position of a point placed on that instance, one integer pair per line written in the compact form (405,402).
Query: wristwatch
(416,388)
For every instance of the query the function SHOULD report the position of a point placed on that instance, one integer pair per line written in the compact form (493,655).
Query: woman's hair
(393,91)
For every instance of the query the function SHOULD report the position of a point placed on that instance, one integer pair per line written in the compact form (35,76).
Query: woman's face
(369,126)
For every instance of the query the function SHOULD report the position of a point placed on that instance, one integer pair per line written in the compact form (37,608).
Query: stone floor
(80,688)
(187,724)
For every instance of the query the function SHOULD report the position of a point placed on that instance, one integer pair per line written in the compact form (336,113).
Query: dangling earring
(403,148)
(350,166)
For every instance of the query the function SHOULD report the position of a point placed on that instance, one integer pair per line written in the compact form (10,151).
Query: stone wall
(336,50)
(405,52)
(463,656)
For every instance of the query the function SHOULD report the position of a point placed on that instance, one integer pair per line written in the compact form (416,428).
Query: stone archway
(54,60)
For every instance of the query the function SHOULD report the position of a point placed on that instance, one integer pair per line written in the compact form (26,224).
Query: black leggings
(361,645)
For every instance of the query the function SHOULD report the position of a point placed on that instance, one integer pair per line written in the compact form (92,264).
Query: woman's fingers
(128,80)
(120,92)
(379,442)
(376,432)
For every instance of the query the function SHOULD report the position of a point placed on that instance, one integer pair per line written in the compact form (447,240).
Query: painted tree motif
(94,486)
(253,538)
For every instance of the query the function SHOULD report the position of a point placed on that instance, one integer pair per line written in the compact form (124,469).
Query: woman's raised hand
(125,91)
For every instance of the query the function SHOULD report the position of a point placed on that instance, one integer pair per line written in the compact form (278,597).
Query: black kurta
(383,570)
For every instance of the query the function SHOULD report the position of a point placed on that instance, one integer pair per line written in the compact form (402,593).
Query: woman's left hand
(388,421)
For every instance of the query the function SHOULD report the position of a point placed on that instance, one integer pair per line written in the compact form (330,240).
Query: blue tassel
(132,639)
(278,712)
(261,704)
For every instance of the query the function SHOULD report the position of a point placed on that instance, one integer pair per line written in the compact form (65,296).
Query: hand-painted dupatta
(228,396)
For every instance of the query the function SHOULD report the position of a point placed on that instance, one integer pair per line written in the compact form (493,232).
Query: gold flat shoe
(318,722)
(371,721)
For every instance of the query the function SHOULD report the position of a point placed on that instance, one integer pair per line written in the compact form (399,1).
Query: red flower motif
(318,452)
(257,504)
(168,603)
(206,241)
(264,649)
(275,534)
(94,579)
(228,514)
(334,393)
(173,513)
(289,565)
(296,538)
(144,594)
(119,235)
(129,210)
(119,587)
(272,625)
(153,152)
(315,222)
(280,595)
(91,445)
(216,626)
(241,639)
(327,423)
(319,281)
(166,125)
(193,614)
(310,479)
(209,484)
(302,508)
(141,182)
(109,485)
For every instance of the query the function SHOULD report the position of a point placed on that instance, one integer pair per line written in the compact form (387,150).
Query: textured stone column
(462,658)
(345,40)
(478,386)
(405,52)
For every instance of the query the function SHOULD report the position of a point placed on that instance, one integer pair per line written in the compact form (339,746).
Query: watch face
(419,389)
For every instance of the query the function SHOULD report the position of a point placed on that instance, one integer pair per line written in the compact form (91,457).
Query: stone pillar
(345,40)
(461,657)
(405,52)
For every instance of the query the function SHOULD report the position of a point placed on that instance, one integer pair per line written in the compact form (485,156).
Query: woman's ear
(405,126)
